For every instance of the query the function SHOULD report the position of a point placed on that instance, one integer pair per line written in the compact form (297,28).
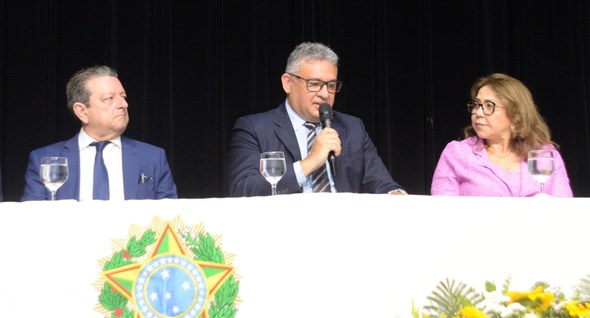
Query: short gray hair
(76,91)
(310,51)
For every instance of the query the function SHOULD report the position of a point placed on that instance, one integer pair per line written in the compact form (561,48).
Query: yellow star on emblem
(169,284)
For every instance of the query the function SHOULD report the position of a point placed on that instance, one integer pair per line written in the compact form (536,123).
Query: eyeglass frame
(472,109)
(337,88)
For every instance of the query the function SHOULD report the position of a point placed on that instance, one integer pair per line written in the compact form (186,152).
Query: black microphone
(326,117)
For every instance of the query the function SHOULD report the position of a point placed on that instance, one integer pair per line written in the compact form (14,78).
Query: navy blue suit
(138,158)
(359,167)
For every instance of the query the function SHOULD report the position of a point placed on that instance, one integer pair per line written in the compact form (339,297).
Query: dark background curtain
(191,68)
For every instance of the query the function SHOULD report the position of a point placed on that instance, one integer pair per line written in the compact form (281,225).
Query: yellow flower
(578,309)
(537,299)
(470,312)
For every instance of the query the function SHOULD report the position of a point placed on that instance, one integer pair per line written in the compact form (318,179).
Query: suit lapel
(284,131)
(71,150)
(130,169)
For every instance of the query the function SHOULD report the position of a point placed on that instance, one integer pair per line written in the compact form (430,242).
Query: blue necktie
(100,189)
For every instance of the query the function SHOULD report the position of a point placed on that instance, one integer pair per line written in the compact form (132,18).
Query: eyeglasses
(488,107)
(314,85)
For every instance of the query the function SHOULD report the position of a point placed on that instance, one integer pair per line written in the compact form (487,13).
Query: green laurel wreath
(203,248)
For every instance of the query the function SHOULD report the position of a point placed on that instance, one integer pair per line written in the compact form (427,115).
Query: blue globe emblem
(170,286)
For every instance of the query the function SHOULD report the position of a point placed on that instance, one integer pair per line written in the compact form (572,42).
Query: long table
(302,255)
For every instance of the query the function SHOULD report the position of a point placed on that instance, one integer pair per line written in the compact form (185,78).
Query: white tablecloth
(305,255)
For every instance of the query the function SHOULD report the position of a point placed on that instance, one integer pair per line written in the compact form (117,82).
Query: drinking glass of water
(53,173)
(541,165)
(273,167)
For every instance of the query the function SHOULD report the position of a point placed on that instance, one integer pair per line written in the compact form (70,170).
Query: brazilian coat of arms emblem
(168,270)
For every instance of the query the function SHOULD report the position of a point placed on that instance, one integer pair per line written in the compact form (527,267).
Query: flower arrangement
(453,299)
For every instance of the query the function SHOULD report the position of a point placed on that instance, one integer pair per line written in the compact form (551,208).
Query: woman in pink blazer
(491,159)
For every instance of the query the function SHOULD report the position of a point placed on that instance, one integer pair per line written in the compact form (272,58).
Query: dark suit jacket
(138,158)
(359,167)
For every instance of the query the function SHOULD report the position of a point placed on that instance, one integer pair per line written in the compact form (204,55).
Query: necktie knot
(311,125)
(100,145)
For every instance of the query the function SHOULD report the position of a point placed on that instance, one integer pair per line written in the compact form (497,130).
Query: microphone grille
(326,112)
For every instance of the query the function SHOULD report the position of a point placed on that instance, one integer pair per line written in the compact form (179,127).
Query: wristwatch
(398,190)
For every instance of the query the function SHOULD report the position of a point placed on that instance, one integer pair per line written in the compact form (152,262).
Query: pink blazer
(464,169)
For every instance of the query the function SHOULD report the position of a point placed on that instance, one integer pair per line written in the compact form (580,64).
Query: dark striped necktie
(319,178)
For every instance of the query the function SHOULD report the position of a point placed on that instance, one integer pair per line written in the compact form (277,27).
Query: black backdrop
(191,68)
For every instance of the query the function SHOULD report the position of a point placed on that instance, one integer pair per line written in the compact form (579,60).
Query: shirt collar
(84,140)
(296,120)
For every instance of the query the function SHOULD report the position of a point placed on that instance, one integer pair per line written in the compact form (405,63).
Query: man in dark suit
(310,80)
(134,169)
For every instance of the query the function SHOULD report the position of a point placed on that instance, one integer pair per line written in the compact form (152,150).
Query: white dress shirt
(113,160)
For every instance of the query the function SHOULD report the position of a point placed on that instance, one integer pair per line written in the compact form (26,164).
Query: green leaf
(116,261)
(127,314)
(449,297)
(110,299)
(207,251)
(583,289)
(137,248)
(223,305)
(506,285)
